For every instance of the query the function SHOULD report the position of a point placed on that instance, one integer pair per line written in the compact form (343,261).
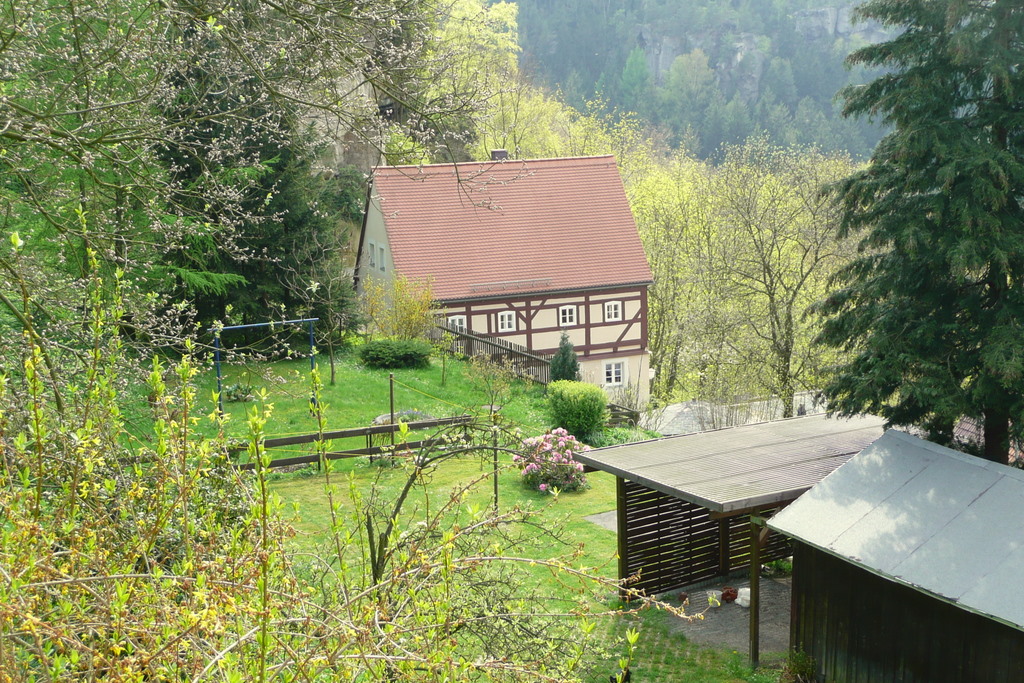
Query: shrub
(395,353)
(564,364)
(614,436)
(547,462)
(578,407)
(800,668)
(239,393)
(398,308)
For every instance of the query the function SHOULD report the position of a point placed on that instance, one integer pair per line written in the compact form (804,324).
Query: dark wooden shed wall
(669,542)
(861,628)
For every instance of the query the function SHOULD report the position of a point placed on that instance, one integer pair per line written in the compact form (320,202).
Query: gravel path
(728,625)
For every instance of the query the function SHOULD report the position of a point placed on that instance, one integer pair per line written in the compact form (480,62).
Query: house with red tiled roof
(520,250)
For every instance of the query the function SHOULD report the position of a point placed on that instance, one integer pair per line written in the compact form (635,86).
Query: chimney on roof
(499,154)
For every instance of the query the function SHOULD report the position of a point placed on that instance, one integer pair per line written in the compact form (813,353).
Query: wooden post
(723,546)
(391,381)
(755,590)
(622,530)
(494,445)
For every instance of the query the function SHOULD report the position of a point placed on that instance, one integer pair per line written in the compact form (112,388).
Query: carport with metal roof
(692,507)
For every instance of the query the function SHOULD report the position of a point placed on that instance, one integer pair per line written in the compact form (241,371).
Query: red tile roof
(497,228)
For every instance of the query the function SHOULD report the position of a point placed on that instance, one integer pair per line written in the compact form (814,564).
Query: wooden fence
(621,416)
(668,542)
(523,362)
(375,444)
(520,359)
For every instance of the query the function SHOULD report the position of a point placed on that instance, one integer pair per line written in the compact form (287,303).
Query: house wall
(608,326)
(380,264)
(538,325)
(862,628)
(635,376)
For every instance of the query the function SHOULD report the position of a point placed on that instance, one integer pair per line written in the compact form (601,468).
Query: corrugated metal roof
(926,516)
(480,230)
(741,467)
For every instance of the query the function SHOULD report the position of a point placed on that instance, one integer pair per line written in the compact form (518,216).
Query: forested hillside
(711,72)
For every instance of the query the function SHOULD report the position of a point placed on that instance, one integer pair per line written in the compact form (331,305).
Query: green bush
(578,407)
(395,353)
(613,436)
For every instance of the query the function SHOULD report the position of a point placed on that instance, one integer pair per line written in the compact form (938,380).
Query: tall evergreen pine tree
(933,307)
(564,364)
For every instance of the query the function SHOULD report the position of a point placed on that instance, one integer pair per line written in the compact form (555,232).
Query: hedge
(395,353)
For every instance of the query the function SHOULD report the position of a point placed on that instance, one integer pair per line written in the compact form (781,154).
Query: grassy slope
(662,655)
(361,394)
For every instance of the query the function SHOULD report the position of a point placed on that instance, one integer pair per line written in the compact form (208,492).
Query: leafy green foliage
(239,393)
(145,549)
(799,668)
(565,364)
(739,251)
(933,307)
(395,353)
(398,307)
(613,436)
(577,407)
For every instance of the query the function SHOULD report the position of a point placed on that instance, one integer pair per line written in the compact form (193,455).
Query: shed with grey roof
(689,507)
(683,501)
(907,567)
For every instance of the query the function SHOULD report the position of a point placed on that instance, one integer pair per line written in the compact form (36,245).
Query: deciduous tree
(739,251)
(133,131)
(776,246)
(398,308)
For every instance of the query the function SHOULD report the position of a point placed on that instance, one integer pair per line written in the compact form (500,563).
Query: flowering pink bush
(547,462)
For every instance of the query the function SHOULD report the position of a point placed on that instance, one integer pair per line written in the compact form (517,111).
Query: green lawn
(361,394)
(662,655)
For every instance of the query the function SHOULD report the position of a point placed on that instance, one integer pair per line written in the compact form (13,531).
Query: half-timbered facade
(521,251)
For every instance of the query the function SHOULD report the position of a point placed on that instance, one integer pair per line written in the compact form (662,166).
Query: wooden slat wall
(862,628)
(667,542)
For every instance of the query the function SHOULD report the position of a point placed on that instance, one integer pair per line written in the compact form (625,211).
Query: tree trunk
(786,391)
(330,356)
(996,432)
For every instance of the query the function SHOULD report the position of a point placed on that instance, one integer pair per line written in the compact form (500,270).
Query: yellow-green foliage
(739,251)
(155,559)
(398,308)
